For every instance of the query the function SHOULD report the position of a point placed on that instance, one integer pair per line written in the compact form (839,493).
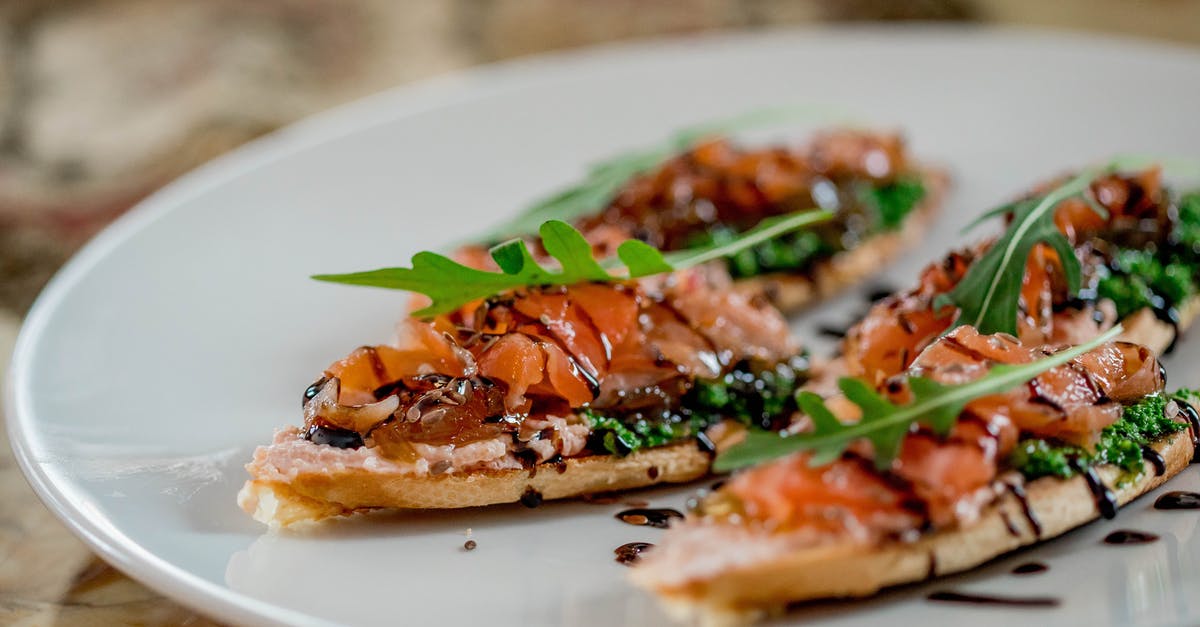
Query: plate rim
(389,105)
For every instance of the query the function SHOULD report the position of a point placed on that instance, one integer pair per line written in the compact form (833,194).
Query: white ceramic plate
(183,335)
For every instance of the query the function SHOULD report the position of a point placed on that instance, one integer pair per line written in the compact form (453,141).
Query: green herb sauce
(884,208)
(1157,278)
(756,397)
(893,202)
(1120,443)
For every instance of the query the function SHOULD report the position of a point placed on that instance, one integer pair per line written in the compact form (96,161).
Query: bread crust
(752,592)
(1143,327)
(336,491)
(790,292)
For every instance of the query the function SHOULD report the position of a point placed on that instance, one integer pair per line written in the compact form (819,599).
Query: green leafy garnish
(604,179)
(988,294)
(450,285)
(884,423)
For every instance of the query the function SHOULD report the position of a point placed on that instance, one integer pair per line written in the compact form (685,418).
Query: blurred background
(104,101)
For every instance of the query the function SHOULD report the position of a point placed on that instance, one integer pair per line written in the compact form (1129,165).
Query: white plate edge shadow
(389,105)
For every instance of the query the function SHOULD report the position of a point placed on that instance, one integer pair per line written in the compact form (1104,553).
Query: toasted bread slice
(1143,327)
(791,292)
(295,480)
(760,578)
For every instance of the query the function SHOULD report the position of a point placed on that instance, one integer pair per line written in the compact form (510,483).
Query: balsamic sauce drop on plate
(1178,500)
(630,553)
(1030,568)
(982,599)
(880,292)
(832,332)
(1129,536)
(657,518)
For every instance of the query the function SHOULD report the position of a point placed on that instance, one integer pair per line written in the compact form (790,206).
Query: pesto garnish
(1157,278)
(891,203)
(1120,443)
(883,208)
(757,397)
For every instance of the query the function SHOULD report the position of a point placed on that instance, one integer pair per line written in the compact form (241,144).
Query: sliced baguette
(1143,327)
(791,292)
(281,495)
(751,591)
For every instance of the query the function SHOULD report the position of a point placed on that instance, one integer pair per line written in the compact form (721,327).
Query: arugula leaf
(450,285)
(987,296)
(765,230)
(605,178)
(884,423)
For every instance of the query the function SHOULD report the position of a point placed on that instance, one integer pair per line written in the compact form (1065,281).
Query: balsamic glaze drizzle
(880,292)
(1018,491)
(1178,500)
(980,599)
(1030,568)
(1129,536)
(1189,413)
(314,389)
(629,554)
(333,436)
(1106,501)
(1169,315)
(531,498)
(1155,458)
(832,332)
(1008,524)
(643,517)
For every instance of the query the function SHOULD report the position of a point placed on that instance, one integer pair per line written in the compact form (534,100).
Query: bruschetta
(711,191)
(1136,247)
(1014,465)
(535,392)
